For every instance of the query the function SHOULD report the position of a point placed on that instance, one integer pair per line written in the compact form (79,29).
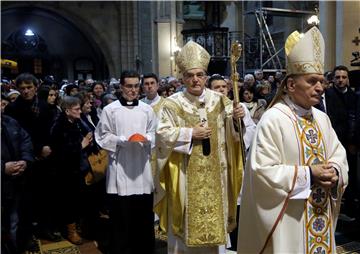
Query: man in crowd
(150,84)
(150,87)
(199,161)
(259,77)
(296,171)
(16,155)
(127,131)
(340,102)
(29,112)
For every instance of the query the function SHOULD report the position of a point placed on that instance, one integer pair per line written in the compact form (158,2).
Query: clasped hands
(324,175)
(15,168)
(200,131)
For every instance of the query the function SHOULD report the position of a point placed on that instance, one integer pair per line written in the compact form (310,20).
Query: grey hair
(248,76)
(69,102)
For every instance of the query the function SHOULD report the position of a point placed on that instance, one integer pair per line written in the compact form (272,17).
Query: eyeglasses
(200,75)
(129,86)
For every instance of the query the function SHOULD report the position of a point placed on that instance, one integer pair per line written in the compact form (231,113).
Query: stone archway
(66,37)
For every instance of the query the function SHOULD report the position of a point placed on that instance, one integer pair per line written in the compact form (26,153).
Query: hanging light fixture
(29,32)
(313,20)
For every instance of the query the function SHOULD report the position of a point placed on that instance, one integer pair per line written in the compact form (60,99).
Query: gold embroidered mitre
(305,52)
(191,56)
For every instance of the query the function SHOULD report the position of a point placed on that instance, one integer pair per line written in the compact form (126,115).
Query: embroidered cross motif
(318,195)
(319,250)
(312,136)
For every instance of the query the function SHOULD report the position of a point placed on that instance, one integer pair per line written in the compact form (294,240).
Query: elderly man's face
(306,90)
(195,80)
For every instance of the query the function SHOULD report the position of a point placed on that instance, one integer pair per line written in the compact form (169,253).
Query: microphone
(203,119)
(206,146)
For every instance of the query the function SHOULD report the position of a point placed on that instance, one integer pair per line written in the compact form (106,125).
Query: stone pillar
(351,32)
(129,41)
(340,26)
(169,30)
(328,29)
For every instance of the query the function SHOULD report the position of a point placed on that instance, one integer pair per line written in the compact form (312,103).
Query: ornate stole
(157,107)
(204,207)
(318,223)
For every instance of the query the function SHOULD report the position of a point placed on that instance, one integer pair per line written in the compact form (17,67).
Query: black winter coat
(341,109)
(65,143)
(34,118)
(15,145)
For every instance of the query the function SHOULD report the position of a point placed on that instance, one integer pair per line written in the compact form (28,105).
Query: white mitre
(305,52)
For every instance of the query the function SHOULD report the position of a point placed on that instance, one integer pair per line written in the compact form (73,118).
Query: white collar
(200,98)
(300,111)
(153,101)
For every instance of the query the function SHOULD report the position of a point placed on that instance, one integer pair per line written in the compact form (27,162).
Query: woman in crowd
(256,107)
(263,91)
(107,98)
(13,94)
(98,88)
(67,144)
(93,193)
(45,174)
(71,89)
(170,89)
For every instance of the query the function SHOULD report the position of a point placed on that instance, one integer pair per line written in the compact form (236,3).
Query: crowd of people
(178,147)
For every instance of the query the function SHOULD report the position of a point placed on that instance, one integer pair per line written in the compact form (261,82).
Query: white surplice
(129,171)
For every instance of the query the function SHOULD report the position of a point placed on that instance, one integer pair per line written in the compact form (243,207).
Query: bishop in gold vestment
(196,191)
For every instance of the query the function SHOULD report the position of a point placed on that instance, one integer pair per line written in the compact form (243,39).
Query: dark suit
(341,109)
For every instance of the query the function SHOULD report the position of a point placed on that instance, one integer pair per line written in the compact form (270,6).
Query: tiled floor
(347,235)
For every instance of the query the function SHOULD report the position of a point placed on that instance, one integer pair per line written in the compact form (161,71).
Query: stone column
(168,29)
(340,26)
(327,13)
(129,41)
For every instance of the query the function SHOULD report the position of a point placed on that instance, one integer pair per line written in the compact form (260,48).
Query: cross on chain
(312,136)
(356,41)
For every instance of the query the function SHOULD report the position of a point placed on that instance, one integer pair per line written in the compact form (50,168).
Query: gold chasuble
(198,193)
(156,107)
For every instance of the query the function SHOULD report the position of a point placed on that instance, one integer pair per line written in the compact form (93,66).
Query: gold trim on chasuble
(318,223)
(156,108)
(204,208)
